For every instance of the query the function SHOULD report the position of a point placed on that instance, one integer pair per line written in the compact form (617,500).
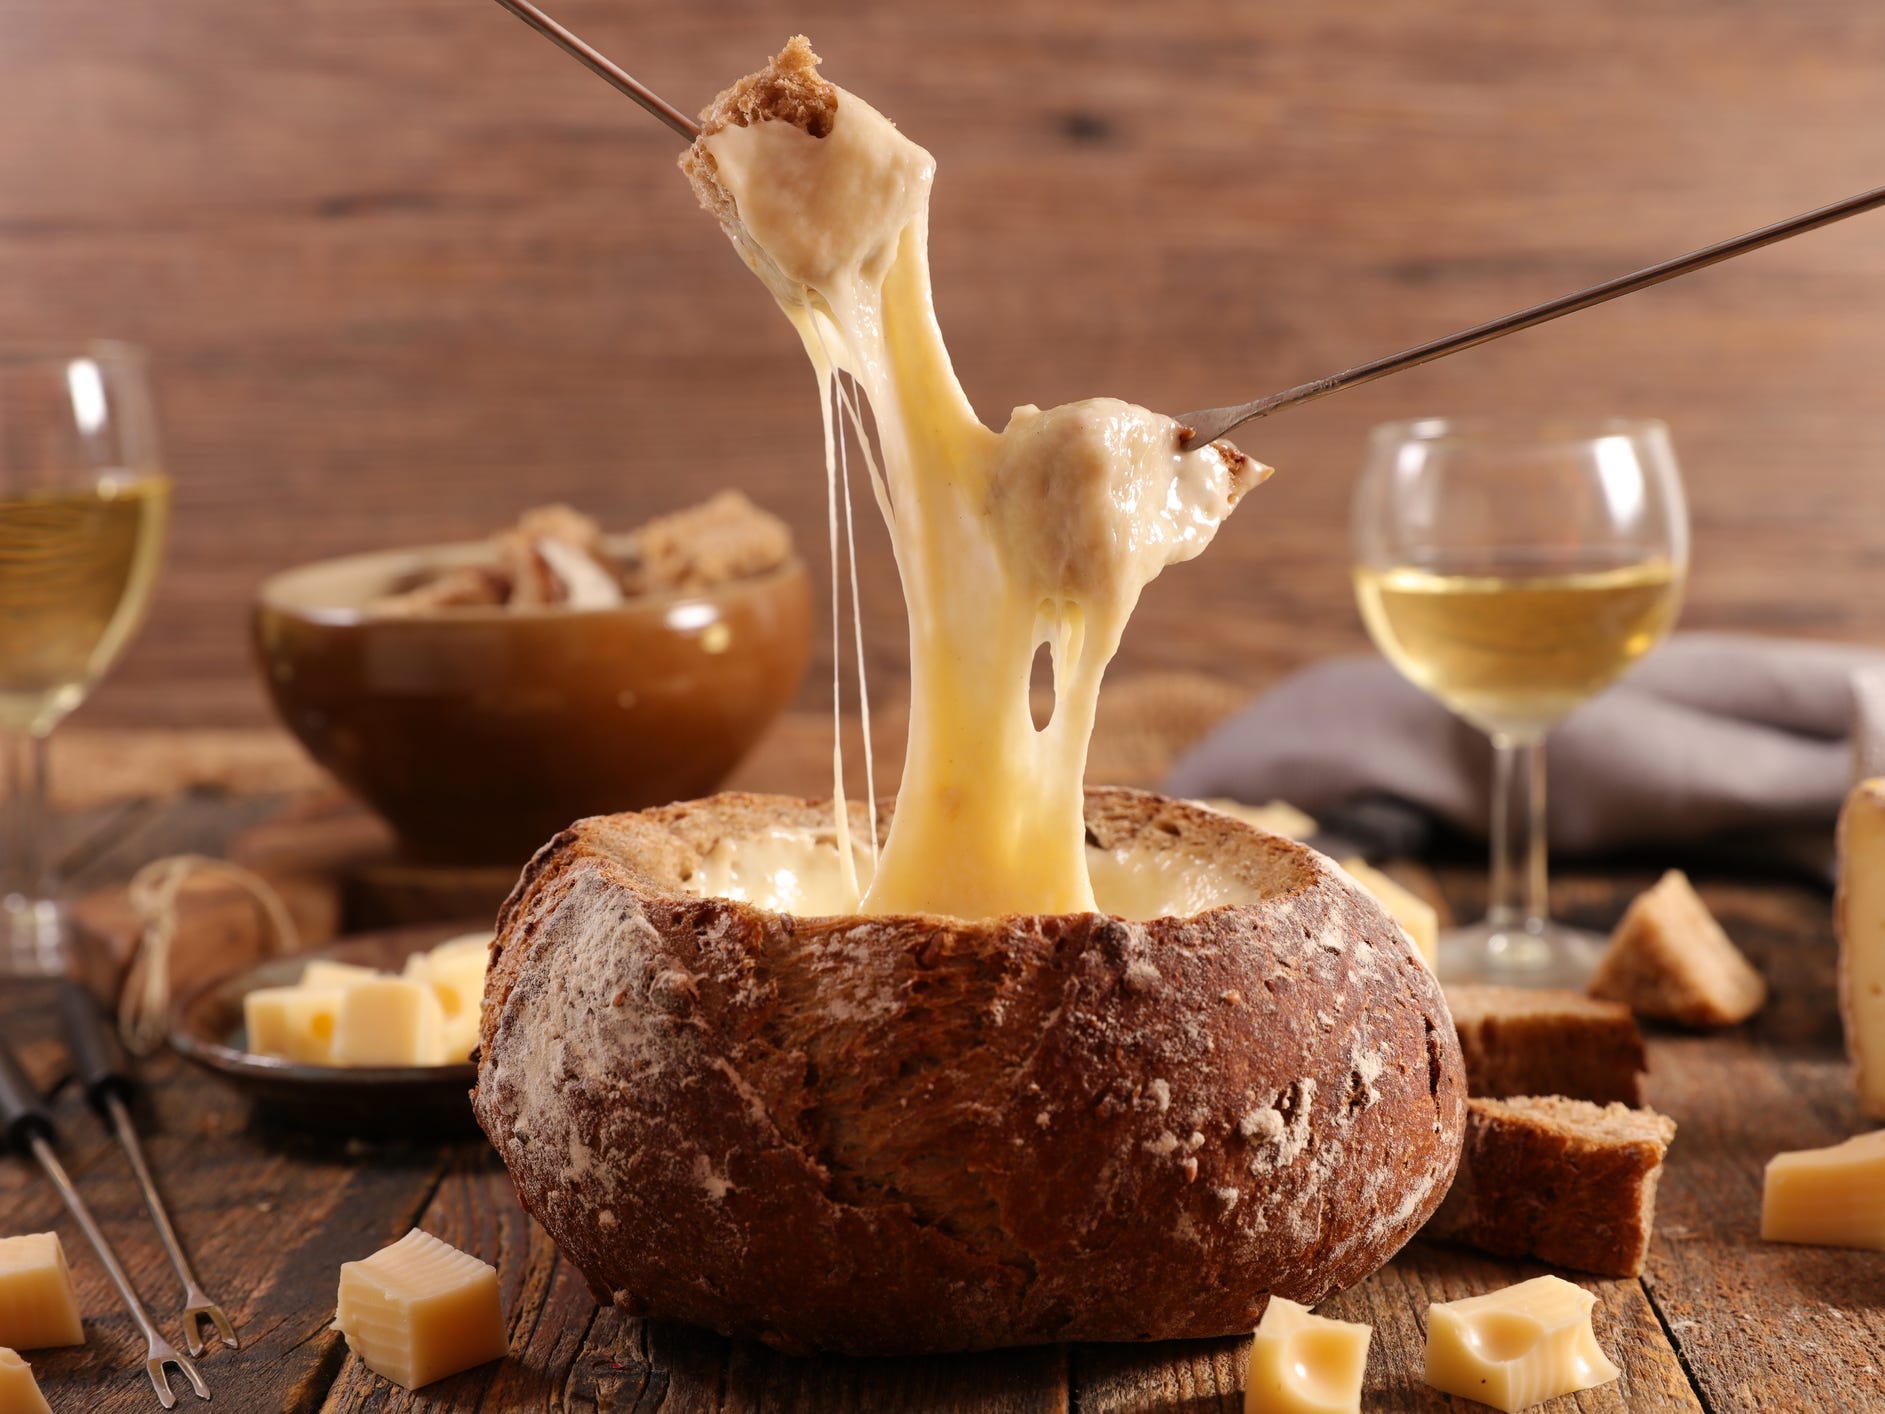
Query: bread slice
(1540,1041)
(1670,960)
(888,1134)
(787,90)
(1563,1181)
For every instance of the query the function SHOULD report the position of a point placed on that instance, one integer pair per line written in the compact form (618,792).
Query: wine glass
(1513,570)
(83,509)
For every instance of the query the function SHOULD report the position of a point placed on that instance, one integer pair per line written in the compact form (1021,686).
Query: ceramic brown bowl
(479,733)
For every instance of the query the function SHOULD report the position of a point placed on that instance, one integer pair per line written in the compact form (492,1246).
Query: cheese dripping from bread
(1043,533)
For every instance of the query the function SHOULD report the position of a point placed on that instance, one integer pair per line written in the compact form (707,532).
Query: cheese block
(38,1307)
(1409,909)
(294,1023)
(1515,1347)
(389,1021)
(323,973)
(1305,1364)
(456,978)
(1859,911)
(1279,817)
(19,1391)
(420,1310)
(1831,1197)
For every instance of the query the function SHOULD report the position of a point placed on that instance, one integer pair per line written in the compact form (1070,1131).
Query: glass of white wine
(83,510)
(1514,571)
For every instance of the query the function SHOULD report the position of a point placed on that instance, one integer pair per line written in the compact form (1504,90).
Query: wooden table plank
(263,1216)
(1761,1323)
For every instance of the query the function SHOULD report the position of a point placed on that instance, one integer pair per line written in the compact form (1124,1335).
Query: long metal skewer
(197,1307)
(1212,423)
(26,1124)
(1209,424)
(599,63)
(105,1072)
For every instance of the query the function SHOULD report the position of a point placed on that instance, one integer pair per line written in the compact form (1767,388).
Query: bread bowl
(893,1134)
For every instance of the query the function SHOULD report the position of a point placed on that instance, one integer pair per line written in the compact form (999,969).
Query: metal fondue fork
(27,1125)
(106,1076)
(1211,423)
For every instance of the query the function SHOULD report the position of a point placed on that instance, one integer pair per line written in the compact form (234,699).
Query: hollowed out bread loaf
(903,1134)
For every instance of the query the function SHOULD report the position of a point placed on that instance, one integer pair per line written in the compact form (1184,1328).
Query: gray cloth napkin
(1711,734)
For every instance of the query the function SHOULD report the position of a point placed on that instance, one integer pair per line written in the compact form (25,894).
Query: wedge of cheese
(1305,1364)
(1859,914)
(38,1307)
(1517,1346)
(19,1391)
(1832,1197)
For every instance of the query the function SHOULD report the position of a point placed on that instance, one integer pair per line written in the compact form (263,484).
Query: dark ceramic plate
(430,1101)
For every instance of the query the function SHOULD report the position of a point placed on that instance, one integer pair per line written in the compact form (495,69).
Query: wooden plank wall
(406,270)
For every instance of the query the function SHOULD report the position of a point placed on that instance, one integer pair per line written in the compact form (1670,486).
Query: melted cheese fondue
(1045,532)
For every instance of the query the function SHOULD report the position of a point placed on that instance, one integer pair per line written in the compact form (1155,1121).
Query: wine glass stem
(26,870)
(1519,899)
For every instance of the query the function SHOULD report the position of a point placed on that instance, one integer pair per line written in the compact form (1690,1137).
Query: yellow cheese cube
(1828,1197)
(38,1307)
(457,980)
(19,1391)
(389,1021)
(294,1023)
(322,973)
(1404,906)
(1514,1347)
(420,1310)
(1304,1364)
(479,943)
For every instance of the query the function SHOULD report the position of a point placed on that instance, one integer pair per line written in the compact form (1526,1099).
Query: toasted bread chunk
(1564,1181)
(723,539)
(1670,960)
(1539,1041)
(787,90)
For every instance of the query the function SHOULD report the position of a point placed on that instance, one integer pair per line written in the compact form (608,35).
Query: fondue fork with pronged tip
(105,1072)
(27,1125)
(1211,423)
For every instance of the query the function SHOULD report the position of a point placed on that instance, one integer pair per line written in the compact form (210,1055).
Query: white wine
(1514,647)
(76,570)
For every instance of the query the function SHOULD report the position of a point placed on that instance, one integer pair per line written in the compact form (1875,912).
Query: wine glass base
(35,937)
(1513,955)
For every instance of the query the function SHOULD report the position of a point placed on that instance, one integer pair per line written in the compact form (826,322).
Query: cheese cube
(420,1310)
(1859,911)
(19,1391)
(1404,906)
(457,980)
(1514,1347)
(1304,1364)
(294,1023)
(480,943)
(322,973)
(389,1021)
(38,1307)
(1828,1197)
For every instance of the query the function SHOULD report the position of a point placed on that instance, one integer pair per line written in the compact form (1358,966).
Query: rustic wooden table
(1719,1321)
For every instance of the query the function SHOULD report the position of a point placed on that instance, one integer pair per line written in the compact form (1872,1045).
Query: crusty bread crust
(1541,1041)
(1562,1181)
(787,90)
(900,1134)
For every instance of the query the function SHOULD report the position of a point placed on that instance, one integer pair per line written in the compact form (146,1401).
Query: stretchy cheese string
(144,1004)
